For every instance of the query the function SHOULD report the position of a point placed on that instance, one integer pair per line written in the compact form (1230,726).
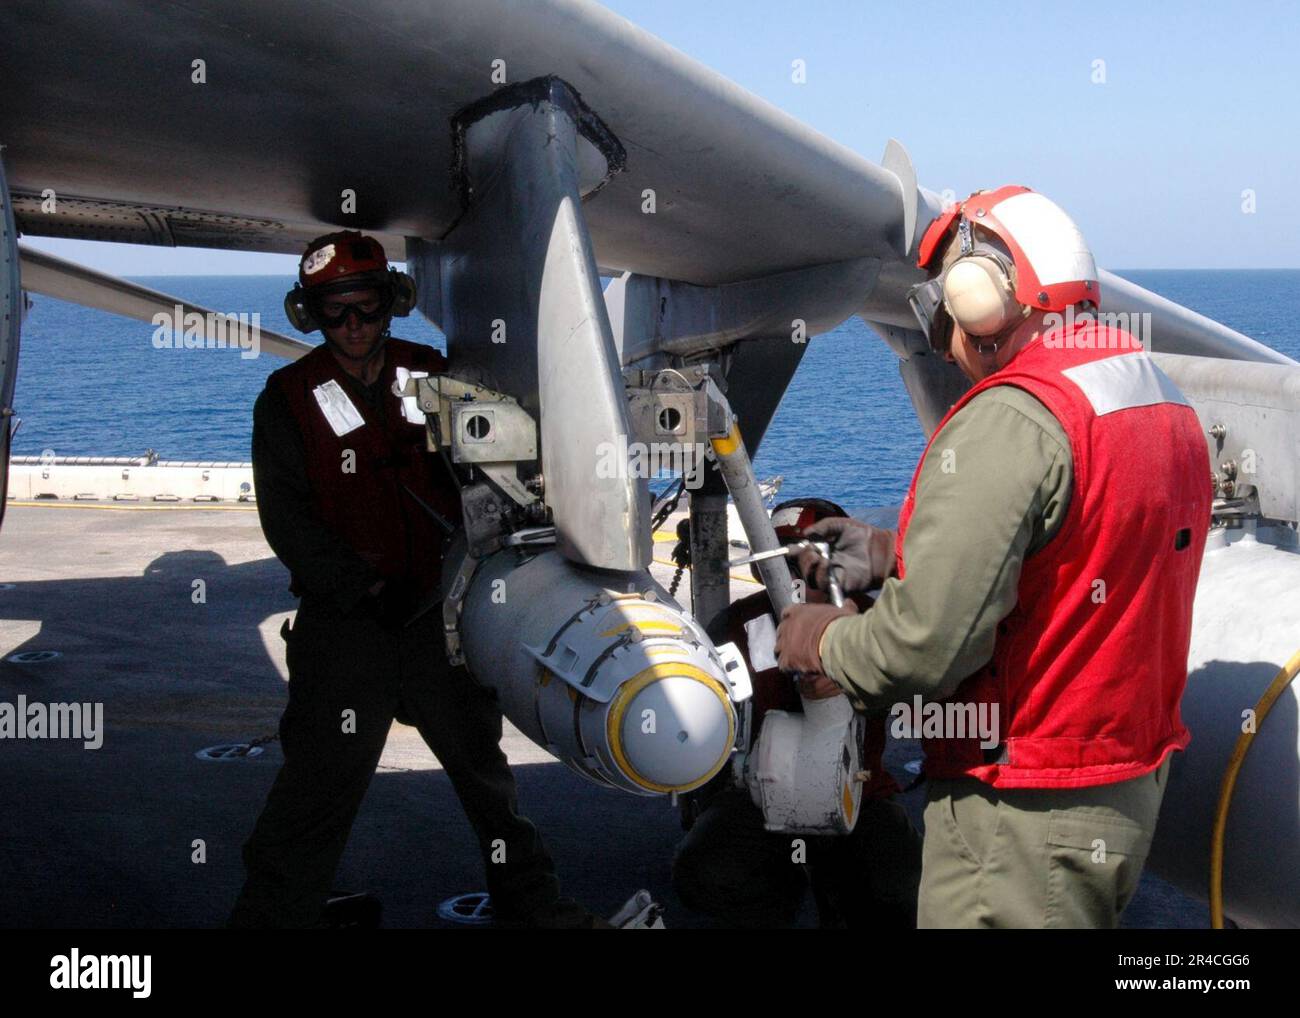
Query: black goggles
(331,312)
(926,302)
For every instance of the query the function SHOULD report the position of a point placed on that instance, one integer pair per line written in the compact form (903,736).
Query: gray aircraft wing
(302,100)
(248,125)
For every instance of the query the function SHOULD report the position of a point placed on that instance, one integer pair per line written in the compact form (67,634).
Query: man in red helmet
(1036,625)
(358,511)
(732,869)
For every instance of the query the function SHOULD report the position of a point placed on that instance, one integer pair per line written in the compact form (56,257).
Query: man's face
(354,338)
(978,366)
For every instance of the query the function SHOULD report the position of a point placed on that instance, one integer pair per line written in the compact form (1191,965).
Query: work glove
(863,554)
(798,638)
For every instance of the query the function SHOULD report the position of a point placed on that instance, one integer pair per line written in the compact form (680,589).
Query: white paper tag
(337,408)
(761,633)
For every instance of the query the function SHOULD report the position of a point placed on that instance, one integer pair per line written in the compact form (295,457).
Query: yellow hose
(1283,679)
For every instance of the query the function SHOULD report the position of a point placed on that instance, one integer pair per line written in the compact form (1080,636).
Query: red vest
(1089,667)
(368,507)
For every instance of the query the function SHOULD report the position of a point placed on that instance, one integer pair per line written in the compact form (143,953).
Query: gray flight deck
(106,837)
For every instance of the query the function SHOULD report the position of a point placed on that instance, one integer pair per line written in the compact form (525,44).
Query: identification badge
(761,633)
(337,408)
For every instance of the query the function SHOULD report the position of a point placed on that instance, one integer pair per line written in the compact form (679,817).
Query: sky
(1169,131)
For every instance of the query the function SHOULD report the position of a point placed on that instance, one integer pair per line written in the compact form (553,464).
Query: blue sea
(91,383)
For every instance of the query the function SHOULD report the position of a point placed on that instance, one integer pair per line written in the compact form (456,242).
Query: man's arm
(318,559)
(999,494)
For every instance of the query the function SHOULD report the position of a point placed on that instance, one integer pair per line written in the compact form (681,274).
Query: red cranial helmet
(790,519)
(337,256)
(1018,252)
(345,262)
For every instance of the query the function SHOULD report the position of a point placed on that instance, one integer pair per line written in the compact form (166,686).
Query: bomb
(603,670)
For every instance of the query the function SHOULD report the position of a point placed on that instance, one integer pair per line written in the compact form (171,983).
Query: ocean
(91,383)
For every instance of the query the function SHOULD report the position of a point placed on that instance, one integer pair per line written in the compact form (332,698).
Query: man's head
(348,291)
(1001,261)
(979,355)
(791,518)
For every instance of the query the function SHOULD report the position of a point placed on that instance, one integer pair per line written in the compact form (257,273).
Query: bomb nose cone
(671,730)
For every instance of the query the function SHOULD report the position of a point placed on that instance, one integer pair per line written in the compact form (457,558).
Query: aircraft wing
(245,125)
(303,100)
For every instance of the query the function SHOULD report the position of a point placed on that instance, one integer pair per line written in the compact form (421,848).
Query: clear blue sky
(1199,104)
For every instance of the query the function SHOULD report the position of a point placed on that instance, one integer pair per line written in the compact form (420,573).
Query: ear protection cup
(979,295)
(295,309)
(404,293)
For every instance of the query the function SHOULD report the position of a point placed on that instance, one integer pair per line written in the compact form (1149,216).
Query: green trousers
(348,678)
(1035,858)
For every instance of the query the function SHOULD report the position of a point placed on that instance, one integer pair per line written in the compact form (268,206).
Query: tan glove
(863,554)
(799,636)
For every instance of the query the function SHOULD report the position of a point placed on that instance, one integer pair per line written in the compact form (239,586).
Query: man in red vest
(1035,627)
(731,868)
(358,510)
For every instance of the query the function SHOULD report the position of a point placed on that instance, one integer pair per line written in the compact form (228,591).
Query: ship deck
(107,837)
